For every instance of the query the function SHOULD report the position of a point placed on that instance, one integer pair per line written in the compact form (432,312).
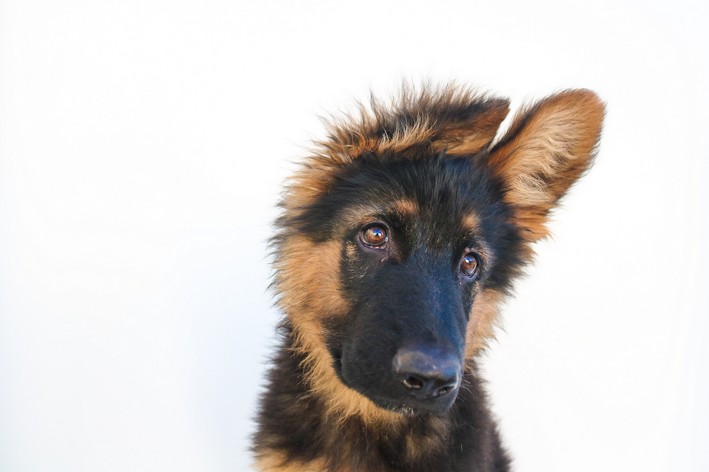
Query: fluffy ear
(469,129)
(547,148)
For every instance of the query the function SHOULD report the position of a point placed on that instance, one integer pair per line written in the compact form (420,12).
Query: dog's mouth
(399,402)
(411,407)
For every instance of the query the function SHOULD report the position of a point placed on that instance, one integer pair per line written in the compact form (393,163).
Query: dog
(399,237)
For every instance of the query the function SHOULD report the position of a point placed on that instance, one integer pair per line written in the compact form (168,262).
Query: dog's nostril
(412,383)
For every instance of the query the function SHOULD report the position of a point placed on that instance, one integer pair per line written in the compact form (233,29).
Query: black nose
(427,373)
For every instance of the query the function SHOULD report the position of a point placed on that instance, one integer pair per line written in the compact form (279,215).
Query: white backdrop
(142,146)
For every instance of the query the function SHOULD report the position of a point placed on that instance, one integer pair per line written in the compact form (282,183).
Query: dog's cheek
(367,354)
(483,319)
(350,269)
(307,282)
(341,330)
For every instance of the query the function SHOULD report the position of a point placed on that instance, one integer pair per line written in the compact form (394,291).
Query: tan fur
(482,323)
(418,445)
(302,263)
(545,150)
(310,181)
(470,223)
(405,207)
(272,461)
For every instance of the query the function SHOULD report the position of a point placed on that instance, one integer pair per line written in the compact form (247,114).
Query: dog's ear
(470,129)
(547,148)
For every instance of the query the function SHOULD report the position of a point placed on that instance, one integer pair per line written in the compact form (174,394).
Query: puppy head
(401,234)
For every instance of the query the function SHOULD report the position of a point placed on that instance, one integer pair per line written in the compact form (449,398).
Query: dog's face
(393,258)
(419,237)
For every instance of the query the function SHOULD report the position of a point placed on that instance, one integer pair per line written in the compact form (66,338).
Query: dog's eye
(470,265)
(374,236)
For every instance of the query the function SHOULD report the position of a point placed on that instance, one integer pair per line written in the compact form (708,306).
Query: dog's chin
(415,408)
(403,410)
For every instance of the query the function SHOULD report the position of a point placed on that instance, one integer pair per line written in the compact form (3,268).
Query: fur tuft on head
(452,118)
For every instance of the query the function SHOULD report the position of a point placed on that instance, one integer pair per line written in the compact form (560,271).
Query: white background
(142,148)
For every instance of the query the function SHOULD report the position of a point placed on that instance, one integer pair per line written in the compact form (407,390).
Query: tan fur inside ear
(547,148)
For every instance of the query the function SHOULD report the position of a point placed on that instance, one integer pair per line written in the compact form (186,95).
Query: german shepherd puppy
(399,237)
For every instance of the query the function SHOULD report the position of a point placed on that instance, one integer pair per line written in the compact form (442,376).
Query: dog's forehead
(404,211)
(434,192)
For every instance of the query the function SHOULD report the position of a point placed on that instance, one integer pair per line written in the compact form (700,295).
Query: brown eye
(374,236)
(469,265)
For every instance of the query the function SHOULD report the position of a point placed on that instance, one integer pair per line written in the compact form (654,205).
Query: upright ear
(547,148)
